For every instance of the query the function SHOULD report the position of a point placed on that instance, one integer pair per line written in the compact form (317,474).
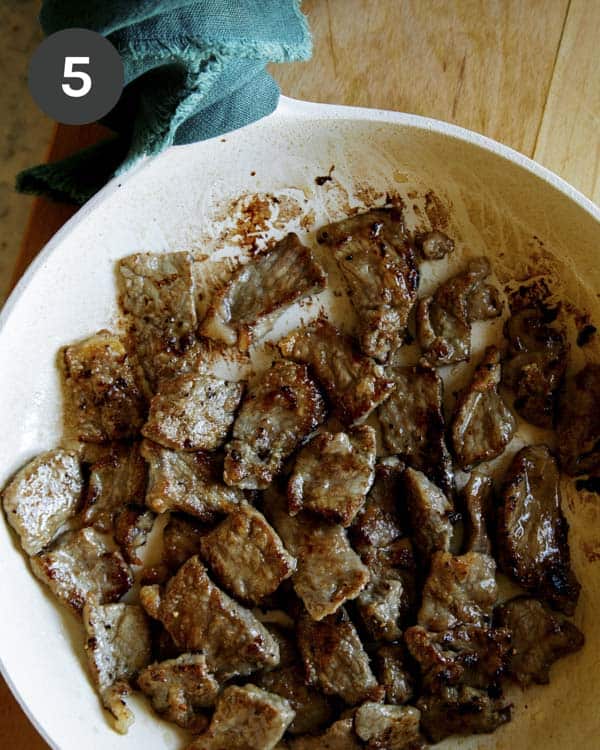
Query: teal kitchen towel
(193,70)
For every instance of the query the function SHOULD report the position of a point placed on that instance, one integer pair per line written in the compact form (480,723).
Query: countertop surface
(525,72)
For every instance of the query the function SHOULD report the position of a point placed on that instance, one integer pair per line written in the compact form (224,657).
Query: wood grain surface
(525,72)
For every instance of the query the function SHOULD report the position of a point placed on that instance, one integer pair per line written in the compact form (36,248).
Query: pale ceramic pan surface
(527,220)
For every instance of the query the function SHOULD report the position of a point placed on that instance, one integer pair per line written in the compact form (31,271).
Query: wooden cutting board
(525,72)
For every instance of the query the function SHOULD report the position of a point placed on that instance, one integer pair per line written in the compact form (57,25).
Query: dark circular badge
(76,76)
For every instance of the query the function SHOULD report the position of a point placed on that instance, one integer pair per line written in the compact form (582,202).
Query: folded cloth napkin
(193,70)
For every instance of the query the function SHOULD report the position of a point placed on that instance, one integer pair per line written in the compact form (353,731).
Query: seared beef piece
(378,262)
(430,514)
(466,655)
(118,645)
(117,479)
(246,717)
(328,572)
(412,423)
(461,710)
(179,689)
(384,727)
(444,320)
(389,596)
(339,736)
(482,425)
(132,526)
(313,709)
(536,363)
(80,566)
(477,502)
(378,523)
(354,384)
(261,289)
(539,638)
(157,291)
(42,496)
(532,532)
(278,414)
(333,474)
(102,399)
(181,539)
(390,661)
(434,245)
(579,423)
(201,617)
(335,660)
(193,412)
(459,590)
(246,555)
(188,482)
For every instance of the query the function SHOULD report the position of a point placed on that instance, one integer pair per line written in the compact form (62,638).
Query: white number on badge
(79,75)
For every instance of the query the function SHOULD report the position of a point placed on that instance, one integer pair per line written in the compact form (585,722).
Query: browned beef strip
(461,710)
(261,289)
(133,524)
(532,532)
(376,257)
(482,425)
(392,673)
(412,423)
(353,382)
(335,660)
(182,535)
(477,504)
(277,414)
(536,363)
(579,423)
(444,320)
(384,727)
(539,638)
(430,514)
(339,736)
(378,523)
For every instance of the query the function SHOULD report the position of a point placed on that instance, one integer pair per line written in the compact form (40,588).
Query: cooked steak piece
(378,523)
(43,496)
(246,555)
(132,526)
(313,709)
(482,425)
(181,539)
(430,513)
(434,245)
(179,689)
(539,638)
(412,423)
(102,399)
(384,727)
(579,423)
(116,480)
(261,289)
(201,617)
(354,384)
(339,736)
(460,590)
(469,655)
(188,482)
(193,412)
(333,474)
(536,363)
(118,645)
(391,671)
(277,414)
(246,717)
(377,260)
(444,320)
(532,532)
(335,660)
(329,572)
(389,596)
(79,566)
(157,291)
(477,503)
(461,710)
